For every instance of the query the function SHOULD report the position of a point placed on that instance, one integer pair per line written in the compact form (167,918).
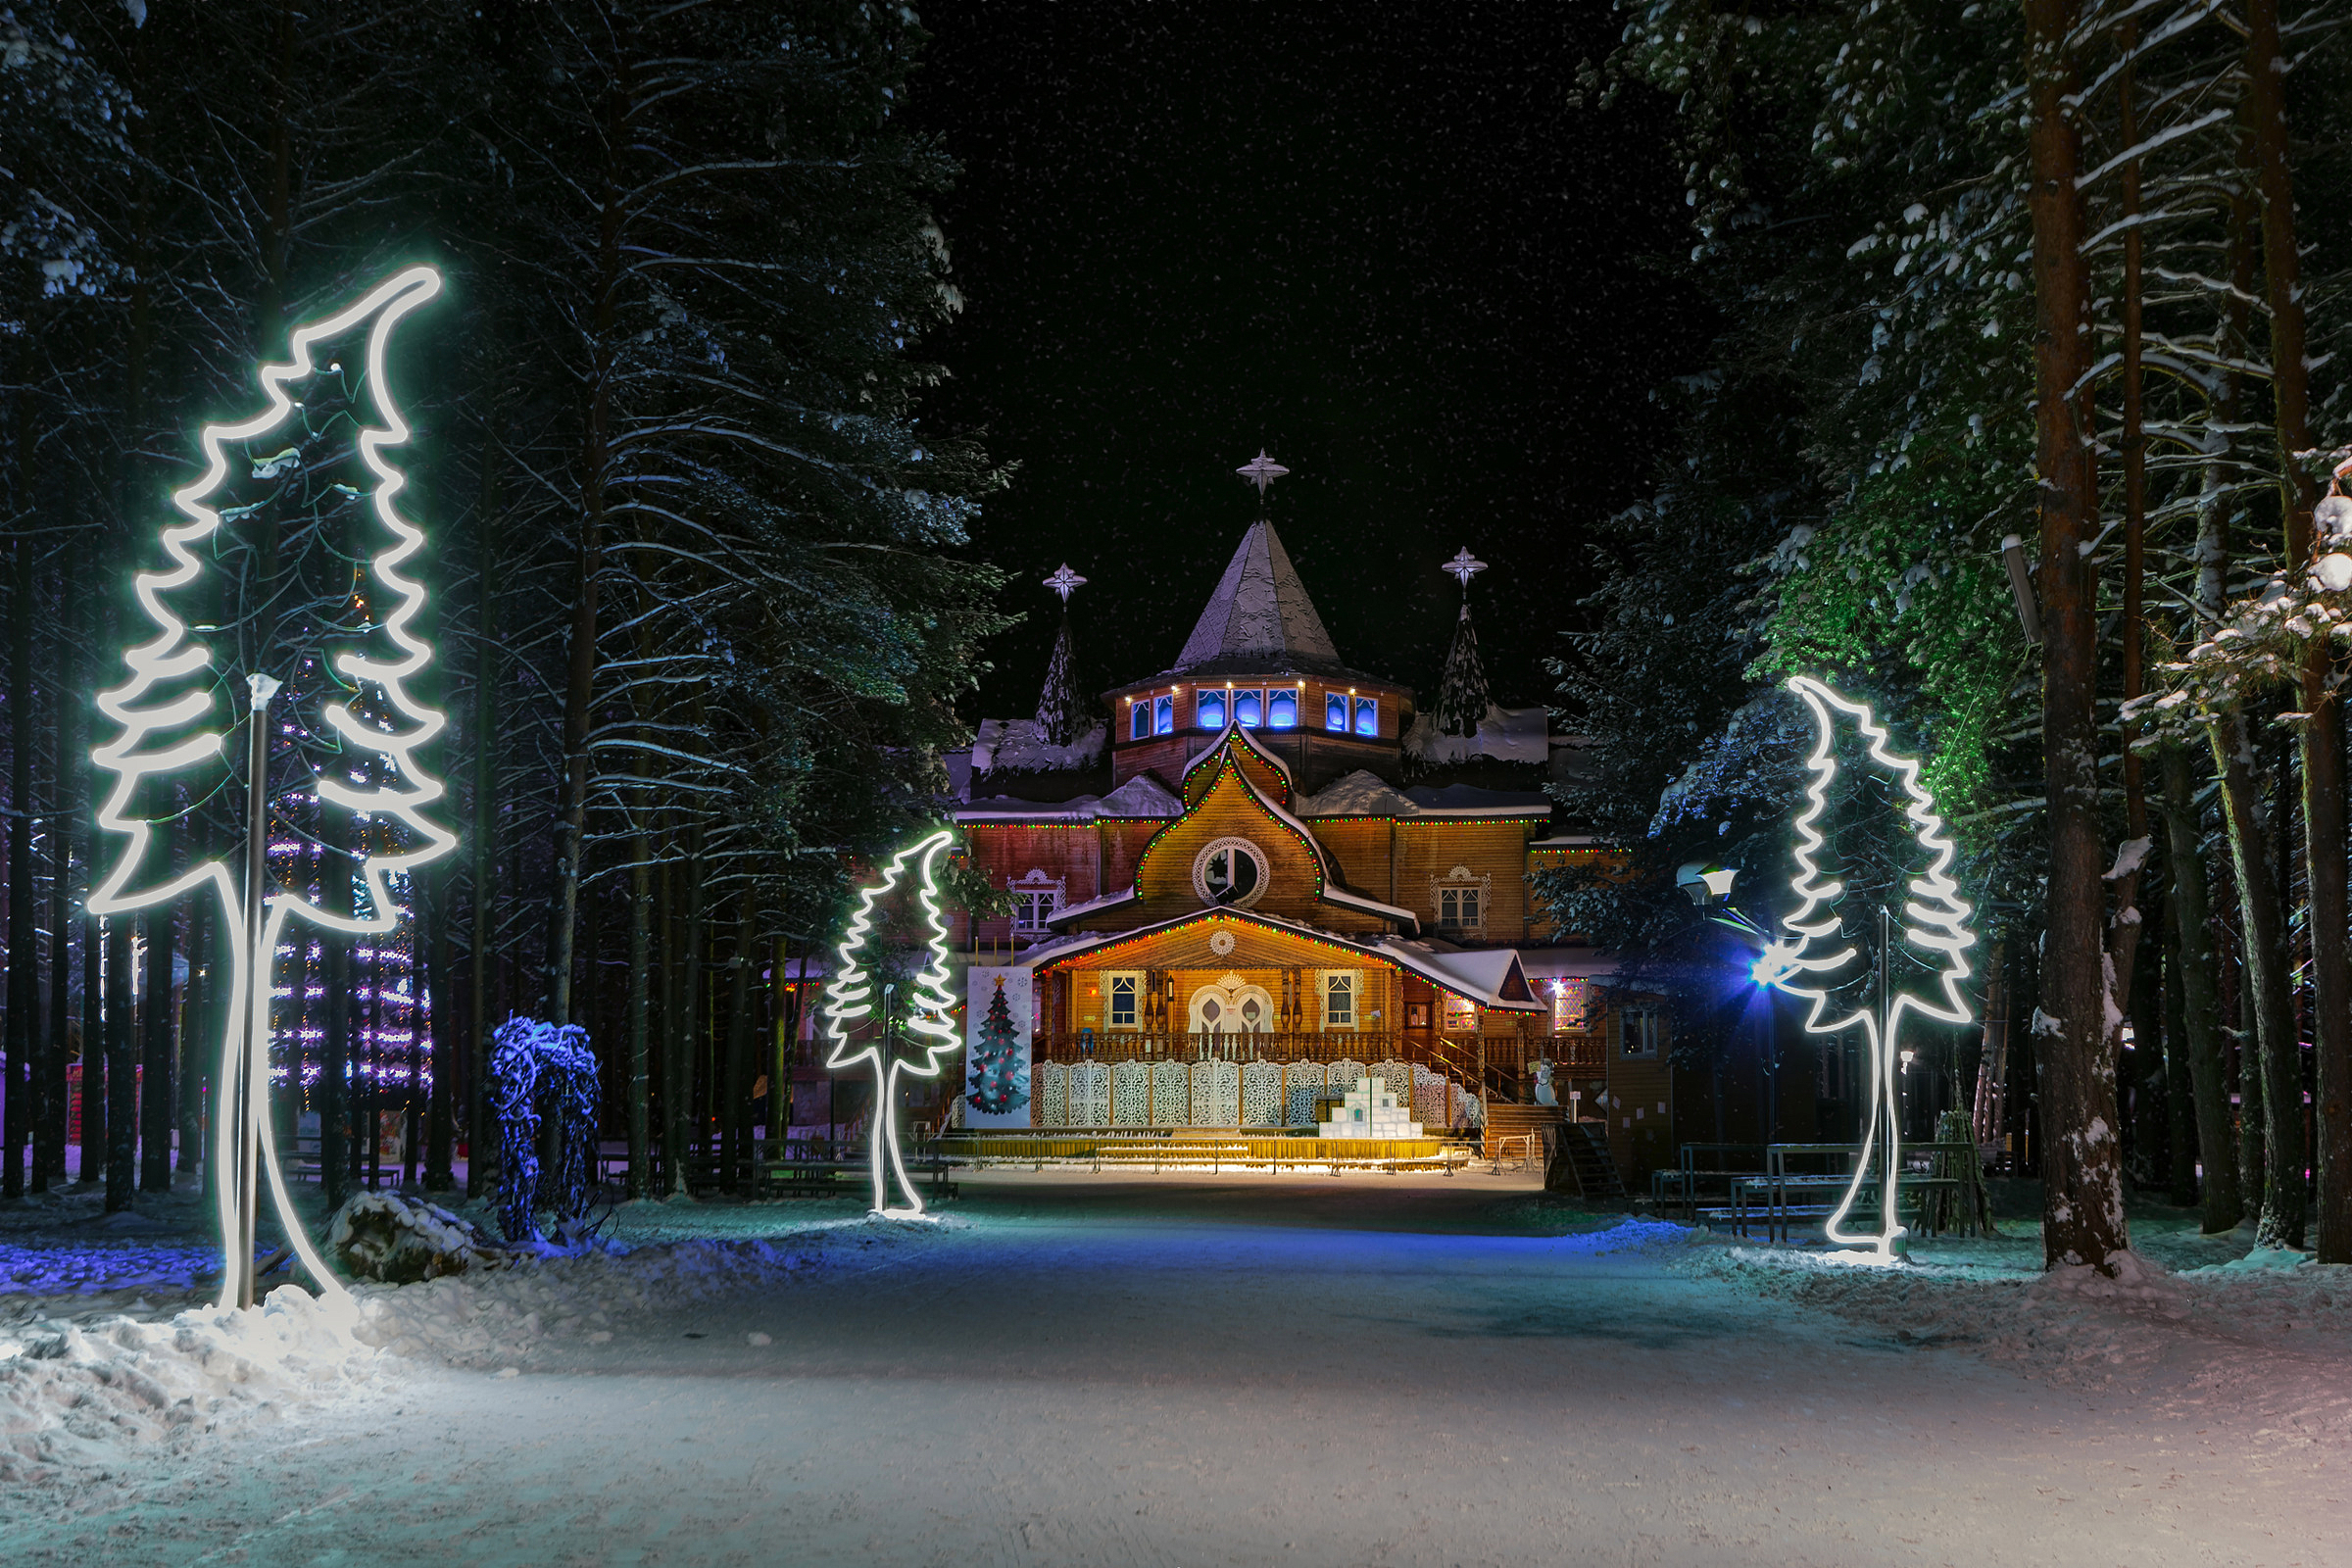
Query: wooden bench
(824,1178)
(1777,1197)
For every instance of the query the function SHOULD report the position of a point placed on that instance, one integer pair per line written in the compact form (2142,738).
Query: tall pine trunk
(2082,1207)
(23,973)
(484,871)
(335,1041)
(49,1139)
(735,1098)
(2203,1051)
(158,1099)
(571,815)
(640,1004)
(434,1025)
(685,1026)
(2321,732)
(122,1071)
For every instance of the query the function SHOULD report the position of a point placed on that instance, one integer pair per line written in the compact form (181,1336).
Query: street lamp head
(1705,882)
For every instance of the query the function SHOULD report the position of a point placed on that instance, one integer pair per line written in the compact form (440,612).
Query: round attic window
(1231,872)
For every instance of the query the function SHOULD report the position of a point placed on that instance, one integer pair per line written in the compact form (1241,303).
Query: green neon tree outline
(862,1035)
(1817,968)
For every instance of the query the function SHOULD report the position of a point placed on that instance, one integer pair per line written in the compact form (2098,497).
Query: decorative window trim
(1335,713)
(1203,700)
(1284,694)
(1036,897)
(1265,871)
(1164,715)
(1139,719)
(1111,980)
(1349,983)
(1462,882)
(1367,716)
(1255,697)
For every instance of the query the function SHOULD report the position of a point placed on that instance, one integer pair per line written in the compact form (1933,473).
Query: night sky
(1375,240)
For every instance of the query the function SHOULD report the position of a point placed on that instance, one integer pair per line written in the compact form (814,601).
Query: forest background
(2070,272)
(2068,278)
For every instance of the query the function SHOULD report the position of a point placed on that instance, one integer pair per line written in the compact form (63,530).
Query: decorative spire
(1462,695)
(1261,472)
(1461,566)
(1061,708)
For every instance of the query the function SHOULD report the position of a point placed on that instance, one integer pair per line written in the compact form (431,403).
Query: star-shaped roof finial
(1261,471)
(1065,582)
(1464,567)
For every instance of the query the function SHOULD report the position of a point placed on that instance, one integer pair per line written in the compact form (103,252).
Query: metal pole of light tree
(255,1024)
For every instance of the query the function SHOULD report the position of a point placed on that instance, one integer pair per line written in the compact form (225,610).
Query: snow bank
(84,1394)
(75,1393)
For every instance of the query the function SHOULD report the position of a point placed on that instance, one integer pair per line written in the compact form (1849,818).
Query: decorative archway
(1230,1007)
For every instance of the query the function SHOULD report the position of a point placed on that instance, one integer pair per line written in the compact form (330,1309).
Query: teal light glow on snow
(1821,961)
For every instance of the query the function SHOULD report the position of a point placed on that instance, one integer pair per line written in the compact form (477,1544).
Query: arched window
(1210,711)
(1282,709)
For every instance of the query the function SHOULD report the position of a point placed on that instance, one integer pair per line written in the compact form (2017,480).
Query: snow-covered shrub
(536,1068)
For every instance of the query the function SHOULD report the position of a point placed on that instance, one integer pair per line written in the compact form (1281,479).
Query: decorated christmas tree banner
(995,1047)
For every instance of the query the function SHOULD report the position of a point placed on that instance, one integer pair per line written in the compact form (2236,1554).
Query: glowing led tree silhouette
(905,1029)
(1822,961)
(166,712)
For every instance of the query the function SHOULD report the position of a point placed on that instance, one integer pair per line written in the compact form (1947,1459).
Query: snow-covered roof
(1019,746)
(1567,963)
(1466,800)
(1358,794)
(1259,620)
(1072,911)
(1505,735)
(1480,976)
(1141,796)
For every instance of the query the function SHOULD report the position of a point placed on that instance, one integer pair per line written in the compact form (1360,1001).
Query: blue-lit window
(1210,711)
(1248,709)
(1367,715)
(1282,710)
(1164,715)
(1139,720)
(1335,713)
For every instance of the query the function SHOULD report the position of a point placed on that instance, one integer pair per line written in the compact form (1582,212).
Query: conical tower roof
(1259,620)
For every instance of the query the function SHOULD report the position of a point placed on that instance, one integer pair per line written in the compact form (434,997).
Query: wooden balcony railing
(1505,1059)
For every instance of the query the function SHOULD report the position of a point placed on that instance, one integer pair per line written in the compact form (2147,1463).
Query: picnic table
(1681,1186)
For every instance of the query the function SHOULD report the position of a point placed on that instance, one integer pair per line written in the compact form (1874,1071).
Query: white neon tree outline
(1941,930)
(850,998)
(173,655)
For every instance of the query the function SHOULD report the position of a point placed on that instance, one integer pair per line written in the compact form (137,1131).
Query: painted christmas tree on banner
(996,1025)
(997,1066)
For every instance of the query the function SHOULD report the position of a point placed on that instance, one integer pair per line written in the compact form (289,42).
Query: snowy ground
(1254,1369)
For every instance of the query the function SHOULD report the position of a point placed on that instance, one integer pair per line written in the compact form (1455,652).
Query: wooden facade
(1261,872)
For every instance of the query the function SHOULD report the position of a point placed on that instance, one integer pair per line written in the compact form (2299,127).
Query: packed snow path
(1245,1371)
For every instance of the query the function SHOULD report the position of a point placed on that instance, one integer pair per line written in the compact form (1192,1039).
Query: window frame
(1163,715)
(1349,983)
(1335,706)
(1040,895)
(1367,706)
(1647,1021)
(1139,719)
(1282,693)
(1234,844)
(1134,979)
(1203,700)
(1248,694)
